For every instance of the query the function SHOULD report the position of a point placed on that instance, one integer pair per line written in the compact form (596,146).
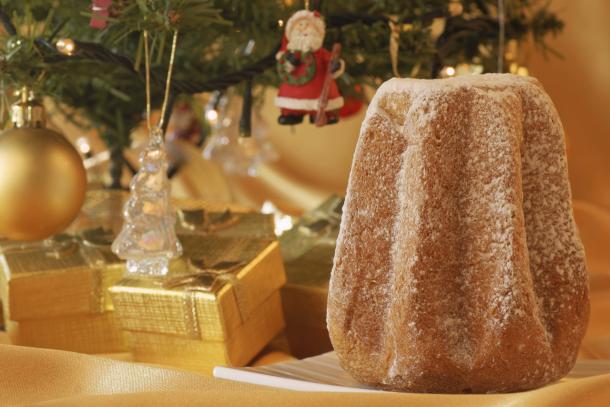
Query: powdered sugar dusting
(458,266)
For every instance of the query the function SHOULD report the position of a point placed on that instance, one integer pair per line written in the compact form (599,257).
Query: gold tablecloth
(48,377)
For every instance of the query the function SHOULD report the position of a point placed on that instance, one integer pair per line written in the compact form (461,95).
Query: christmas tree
(87,54)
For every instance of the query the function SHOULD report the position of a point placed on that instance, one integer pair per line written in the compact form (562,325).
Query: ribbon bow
(205,278)
(57,247)
(323,220)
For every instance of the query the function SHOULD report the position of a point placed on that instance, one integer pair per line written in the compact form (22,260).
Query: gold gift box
(201,315)
(55,292)
(304,298)
(103,208)
(232,222)
(308,250)
(54,295)
(55,279)
(96,333)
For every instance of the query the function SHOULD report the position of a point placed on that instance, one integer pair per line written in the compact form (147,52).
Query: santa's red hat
(313,17)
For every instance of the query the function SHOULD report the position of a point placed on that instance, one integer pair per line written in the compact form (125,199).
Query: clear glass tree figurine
(148,238)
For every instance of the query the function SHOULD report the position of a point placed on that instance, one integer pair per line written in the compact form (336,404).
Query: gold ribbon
(203,279)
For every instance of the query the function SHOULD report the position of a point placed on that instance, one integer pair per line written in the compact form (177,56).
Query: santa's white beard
(305,43)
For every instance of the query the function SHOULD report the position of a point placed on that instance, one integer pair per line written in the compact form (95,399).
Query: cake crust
(459,267)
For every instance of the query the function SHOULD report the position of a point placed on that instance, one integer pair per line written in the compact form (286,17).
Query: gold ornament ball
(42,183)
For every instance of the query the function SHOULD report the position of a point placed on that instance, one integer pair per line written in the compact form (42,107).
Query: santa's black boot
(287,119)
(332,117)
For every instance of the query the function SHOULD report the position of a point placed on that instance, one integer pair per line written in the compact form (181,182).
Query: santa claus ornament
(307,72)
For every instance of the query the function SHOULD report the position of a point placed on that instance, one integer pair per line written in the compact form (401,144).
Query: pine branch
(7,24)
(104,84)
(97,52)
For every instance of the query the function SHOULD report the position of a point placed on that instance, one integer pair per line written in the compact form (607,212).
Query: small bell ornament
(234,153)
(42,177)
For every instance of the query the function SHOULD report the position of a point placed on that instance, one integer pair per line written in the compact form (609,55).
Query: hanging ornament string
(147,69)
(2,104)
(501,35)
(394,44)
(168,80)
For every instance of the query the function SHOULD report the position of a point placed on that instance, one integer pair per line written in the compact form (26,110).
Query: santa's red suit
(303,73)
(305,98)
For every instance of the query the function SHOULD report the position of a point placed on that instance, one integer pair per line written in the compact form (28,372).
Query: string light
(456,8)
(517,69)
(282,221)
(66,46)
(212,116)
(450,71)
(83,145)
(523,71)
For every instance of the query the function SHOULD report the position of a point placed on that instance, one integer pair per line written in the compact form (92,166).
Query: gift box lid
(56,277)
(216,286)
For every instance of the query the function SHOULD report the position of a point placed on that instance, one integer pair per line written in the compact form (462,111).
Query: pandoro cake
(459,267)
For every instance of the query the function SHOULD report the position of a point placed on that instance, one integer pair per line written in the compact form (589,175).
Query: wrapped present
(218,305)
(103,207)
(55,292)
(95,333)
(225,223)
(55,295)
(308,250)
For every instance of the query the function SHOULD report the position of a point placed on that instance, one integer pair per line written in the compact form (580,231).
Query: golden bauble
(42,183)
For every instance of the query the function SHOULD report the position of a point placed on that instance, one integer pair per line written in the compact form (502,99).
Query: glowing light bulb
(450,71)
(282,221)
(65,46)
(522,71)
(212,115)
(456,8)
(83,145)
